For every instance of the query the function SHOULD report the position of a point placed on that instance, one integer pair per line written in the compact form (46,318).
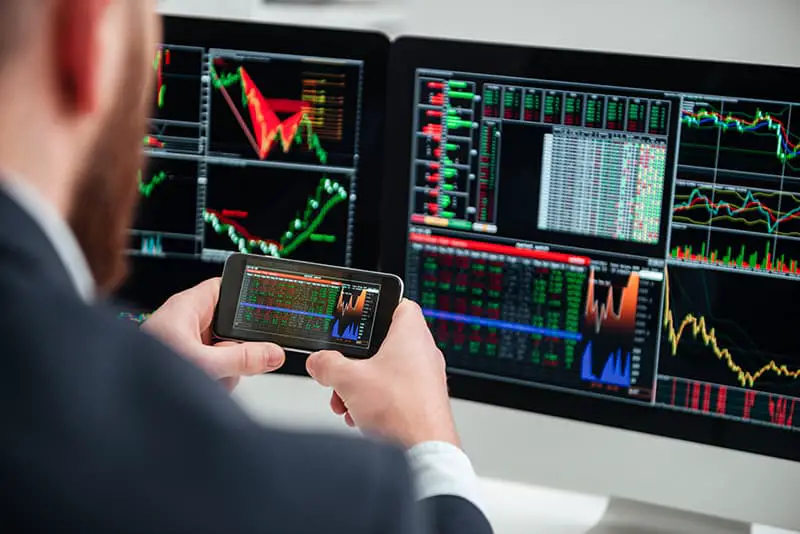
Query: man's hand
(184,323)
(400,393)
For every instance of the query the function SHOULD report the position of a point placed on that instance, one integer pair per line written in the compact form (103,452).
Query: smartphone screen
(306,306)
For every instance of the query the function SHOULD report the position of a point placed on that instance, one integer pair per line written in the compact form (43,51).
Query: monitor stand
(628,517)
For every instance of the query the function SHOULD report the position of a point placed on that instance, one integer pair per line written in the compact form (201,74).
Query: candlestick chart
(279,110)
(307,219)
(729,329)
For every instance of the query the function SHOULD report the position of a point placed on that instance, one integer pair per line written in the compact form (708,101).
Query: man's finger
(330,369)
(407,318)
(337,404)
(349,420)
(244,359)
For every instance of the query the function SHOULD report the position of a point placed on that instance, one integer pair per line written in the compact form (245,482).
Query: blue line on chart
(503,325)
(285,310)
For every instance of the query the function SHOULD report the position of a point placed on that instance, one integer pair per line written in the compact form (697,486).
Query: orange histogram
(352,304)
(600,314)
(700,330)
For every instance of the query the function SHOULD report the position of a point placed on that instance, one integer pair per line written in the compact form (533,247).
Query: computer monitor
(264,139)
(612,240)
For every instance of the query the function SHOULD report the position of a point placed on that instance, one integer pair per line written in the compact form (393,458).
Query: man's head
(75,80)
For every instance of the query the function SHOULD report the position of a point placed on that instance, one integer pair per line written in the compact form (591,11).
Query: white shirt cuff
(443,469)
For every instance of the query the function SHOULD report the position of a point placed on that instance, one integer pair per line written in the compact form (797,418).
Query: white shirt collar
(58,233)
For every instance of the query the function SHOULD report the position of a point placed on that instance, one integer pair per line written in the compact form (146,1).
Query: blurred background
(762,31)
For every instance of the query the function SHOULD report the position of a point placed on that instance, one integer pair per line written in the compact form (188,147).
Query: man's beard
(107,192)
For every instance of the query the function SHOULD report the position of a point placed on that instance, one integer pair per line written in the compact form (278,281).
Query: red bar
(236,214)
(722,395)
(433,113)
(435,85)
(417,218)
(491,248)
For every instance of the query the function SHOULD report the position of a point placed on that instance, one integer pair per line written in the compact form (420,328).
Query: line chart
(697,327)
(302,229)
(786,145)
(749,209)
(267,128)
(168,197)
(146,188)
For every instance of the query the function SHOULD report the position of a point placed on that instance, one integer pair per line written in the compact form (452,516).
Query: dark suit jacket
(106,430)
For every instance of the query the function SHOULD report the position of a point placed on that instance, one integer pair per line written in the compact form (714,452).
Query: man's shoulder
(88,395)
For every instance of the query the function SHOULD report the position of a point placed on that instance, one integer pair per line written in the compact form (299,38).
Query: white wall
(760,31)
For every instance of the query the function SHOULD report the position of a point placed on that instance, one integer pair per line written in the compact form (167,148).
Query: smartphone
(305,307)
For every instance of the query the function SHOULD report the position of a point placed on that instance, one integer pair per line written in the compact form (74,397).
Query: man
(105,429)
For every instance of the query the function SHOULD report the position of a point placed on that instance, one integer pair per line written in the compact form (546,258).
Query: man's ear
(77,51)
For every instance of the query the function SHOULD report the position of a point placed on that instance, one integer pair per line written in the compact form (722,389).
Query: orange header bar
(294,277)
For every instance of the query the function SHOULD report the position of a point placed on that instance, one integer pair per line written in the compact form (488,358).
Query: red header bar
(492,248)
(273,274)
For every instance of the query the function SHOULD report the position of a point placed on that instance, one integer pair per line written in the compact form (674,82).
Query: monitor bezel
(154,280)
(645,72)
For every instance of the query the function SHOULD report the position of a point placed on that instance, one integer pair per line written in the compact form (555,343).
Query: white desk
(513,508)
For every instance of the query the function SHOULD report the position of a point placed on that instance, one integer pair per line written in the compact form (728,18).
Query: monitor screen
(635,246)
(250,152)
(262,141)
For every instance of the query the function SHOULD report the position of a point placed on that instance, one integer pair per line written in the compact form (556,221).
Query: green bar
(450,172)
(459,224)
(451,146)
(447,215)
(448,187)
(455,84)
(703,251)
(461,94)
(323,238)
(765,266)
(453,122)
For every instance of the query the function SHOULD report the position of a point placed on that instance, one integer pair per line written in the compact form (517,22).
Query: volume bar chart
(728,402)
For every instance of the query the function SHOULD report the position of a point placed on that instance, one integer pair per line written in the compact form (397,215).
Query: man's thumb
(329,368)
(245,359)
